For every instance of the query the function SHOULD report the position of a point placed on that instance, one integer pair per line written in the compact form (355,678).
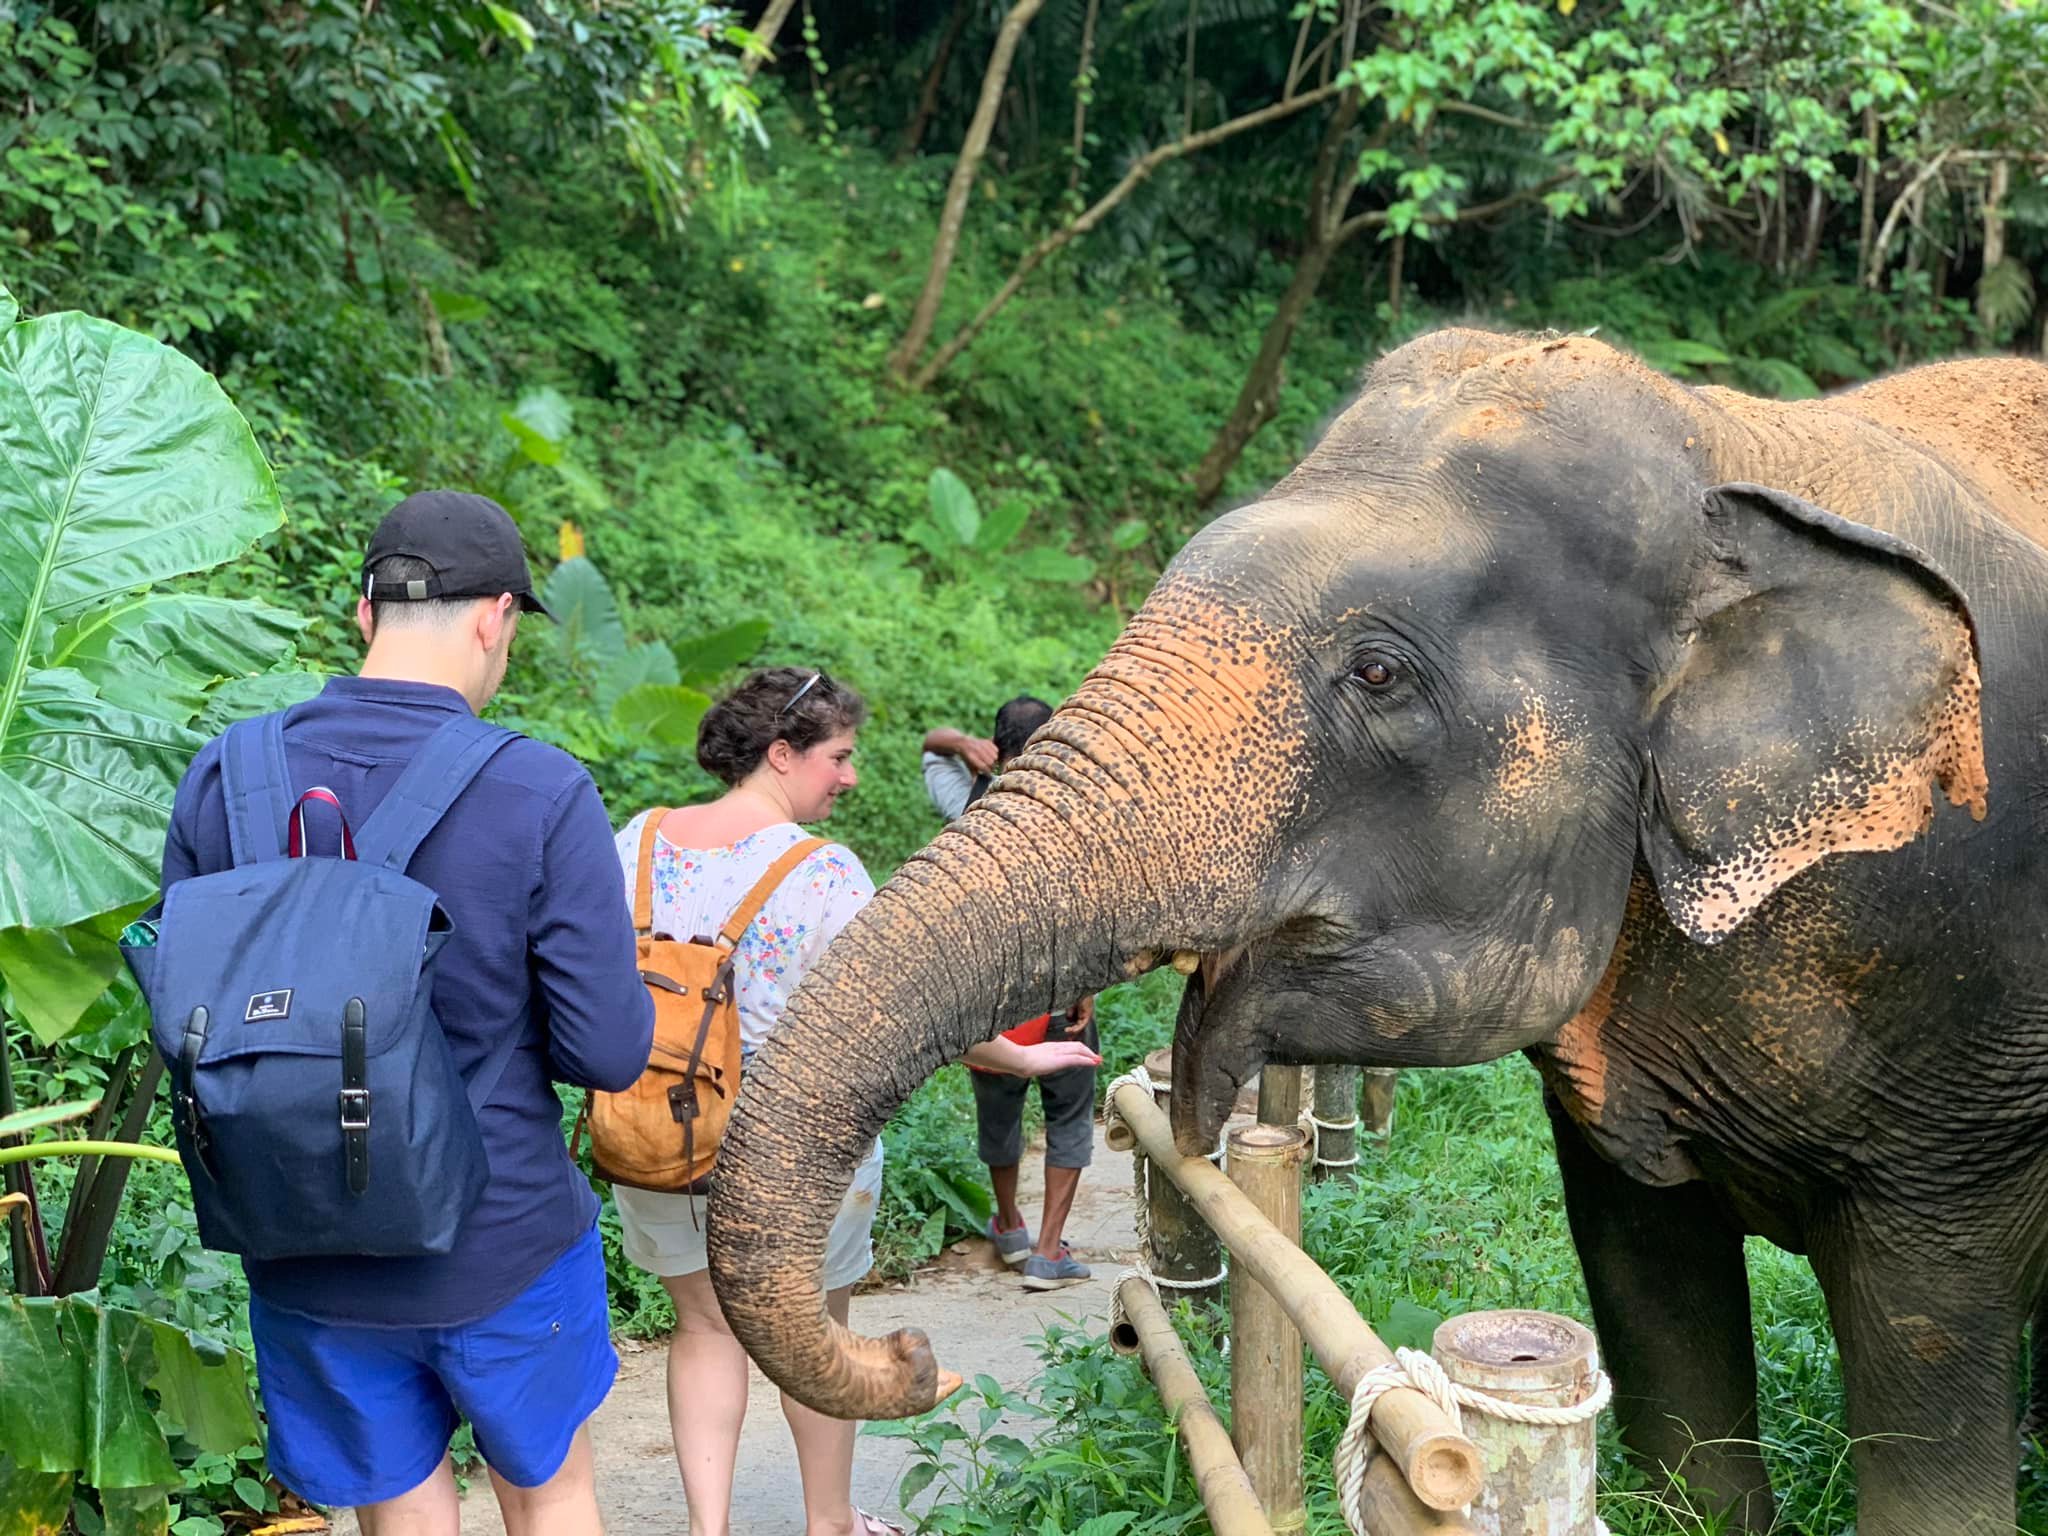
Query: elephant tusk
(1141,962)
(1186,961)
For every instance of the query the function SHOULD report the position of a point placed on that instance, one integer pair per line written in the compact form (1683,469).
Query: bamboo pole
(1336,1101)
(1179,1246)
(1226,1492)
(1279,1095)
(1540,1477)
(1266,1376)
(1376,1102)
(1443,1468)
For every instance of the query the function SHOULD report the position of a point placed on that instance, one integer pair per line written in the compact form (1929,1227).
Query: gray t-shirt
(949,781)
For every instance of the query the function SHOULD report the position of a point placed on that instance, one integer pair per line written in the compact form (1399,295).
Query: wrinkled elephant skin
(1690,743)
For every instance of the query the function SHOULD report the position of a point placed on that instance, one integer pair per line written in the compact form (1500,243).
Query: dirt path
(979,1318)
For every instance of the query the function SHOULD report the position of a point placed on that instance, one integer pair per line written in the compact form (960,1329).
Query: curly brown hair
(789,704)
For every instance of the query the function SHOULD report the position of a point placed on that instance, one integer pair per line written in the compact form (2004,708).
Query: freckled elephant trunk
(1085,856)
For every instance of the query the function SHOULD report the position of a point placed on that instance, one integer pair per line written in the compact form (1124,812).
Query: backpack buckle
(355,1109)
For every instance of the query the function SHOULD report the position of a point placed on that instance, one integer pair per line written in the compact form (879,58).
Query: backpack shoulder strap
(256,788)
(750,906)
(441,770)
(643,878)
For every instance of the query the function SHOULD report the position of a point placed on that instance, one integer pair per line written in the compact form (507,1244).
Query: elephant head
(1386,750)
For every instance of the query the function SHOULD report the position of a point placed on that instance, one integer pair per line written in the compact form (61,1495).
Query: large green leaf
(33,1503)
(136,1511)
(85,1384)
(705,657)
(661,715)
(54,975)
(161,653)
(204,1395)
(588,630)
(42,1412)
(242,697)
(1044,563)
(121,465)
(648,662)
(23,1121)
(953,507)
(1003,525)
(85,795)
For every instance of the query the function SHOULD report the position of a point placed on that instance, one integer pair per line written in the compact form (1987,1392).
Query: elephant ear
(1828,683)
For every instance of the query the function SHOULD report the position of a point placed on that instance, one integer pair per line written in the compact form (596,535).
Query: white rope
(1413,1368)
(1317,1125)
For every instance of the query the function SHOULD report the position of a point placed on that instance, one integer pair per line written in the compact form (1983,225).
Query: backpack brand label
(268,1007)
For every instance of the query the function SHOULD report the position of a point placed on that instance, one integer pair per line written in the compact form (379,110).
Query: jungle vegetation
(906,340)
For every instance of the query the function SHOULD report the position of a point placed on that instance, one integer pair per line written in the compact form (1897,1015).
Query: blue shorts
(361,1415)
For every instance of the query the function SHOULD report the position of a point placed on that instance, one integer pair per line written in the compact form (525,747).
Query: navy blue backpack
(318,1108)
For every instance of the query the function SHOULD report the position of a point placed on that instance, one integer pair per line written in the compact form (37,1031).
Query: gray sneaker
(1014,1245)
(1043,1274)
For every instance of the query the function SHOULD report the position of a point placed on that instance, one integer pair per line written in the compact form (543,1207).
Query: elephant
(1690,743)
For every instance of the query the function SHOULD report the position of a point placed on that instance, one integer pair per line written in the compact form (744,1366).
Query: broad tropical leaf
(54,974)
(20,1124)
(661,714)
(33,1503)
(136,1511)
(80,1382)
(705,658)
(121,465)
(1003,525)
(648,662)
(160,653)
(953,507)
(1044,563)
(588,630)
(242,697)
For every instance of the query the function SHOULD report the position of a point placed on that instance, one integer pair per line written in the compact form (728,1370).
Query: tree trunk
(1259,399)
(954,213)
(1868,230)
(1084,87)
(1994,229)
(770,25)
(1816,221)
(1396,257)
(928,98)
(1187,111)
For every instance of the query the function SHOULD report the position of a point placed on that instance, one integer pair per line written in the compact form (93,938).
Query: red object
(1030,1032)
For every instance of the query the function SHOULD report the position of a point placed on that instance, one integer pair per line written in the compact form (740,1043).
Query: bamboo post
(1226,1492)
(1442,1467)
(1279,1095)
(1179,1247)
(1376,1103)
(1539,1478)
(1336,1102)
(1266,1385)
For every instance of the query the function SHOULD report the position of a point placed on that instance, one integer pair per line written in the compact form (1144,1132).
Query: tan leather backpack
(663,1132)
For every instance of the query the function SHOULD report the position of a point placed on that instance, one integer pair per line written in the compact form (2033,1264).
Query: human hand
(977,753)
(1054,1056)
(1080,1016)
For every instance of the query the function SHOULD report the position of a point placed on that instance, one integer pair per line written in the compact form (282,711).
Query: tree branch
(1083,222)
(1891,219)
(1374,218)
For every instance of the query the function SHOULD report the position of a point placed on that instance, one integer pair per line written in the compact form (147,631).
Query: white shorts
(659,1234)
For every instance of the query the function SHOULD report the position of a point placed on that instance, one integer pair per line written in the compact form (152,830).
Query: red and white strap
(297,847)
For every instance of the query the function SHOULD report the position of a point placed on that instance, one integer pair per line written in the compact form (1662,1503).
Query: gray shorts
(1069,1101)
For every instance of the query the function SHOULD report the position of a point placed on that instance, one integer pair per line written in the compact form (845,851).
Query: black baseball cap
(470,541)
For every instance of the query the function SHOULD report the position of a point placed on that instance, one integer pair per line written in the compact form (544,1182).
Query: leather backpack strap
(643,877)
(750,907)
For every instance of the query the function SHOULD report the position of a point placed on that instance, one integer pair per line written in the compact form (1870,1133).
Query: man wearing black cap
(366,1363)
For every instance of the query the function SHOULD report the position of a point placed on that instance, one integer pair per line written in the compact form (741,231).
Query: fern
(2005,296)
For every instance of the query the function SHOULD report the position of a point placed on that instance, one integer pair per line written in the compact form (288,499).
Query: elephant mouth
(1213,1053)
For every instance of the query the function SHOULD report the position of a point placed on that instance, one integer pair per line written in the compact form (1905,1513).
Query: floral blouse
(697,889)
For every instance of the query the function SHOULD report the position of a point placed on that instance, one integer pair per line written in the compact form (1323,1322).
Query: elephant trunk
(1090,856)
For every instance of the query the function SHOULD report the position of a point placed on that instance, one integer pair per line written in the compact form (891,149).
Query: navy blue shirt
(525,867)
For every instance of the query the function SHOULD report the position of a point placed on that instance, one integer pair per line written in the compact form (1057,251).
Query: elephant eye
(1374,672)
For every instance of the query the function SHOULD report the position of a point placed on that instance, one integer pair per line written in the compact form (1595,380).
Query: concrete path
(980,1321)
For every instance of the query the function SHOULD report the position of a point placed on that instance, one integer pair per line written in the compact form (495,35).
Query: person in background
(367,1364)
(958,770)
(783,744)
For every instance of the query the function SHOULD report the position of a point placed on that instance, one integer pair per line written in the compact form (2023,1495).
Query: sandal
(866,1524)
